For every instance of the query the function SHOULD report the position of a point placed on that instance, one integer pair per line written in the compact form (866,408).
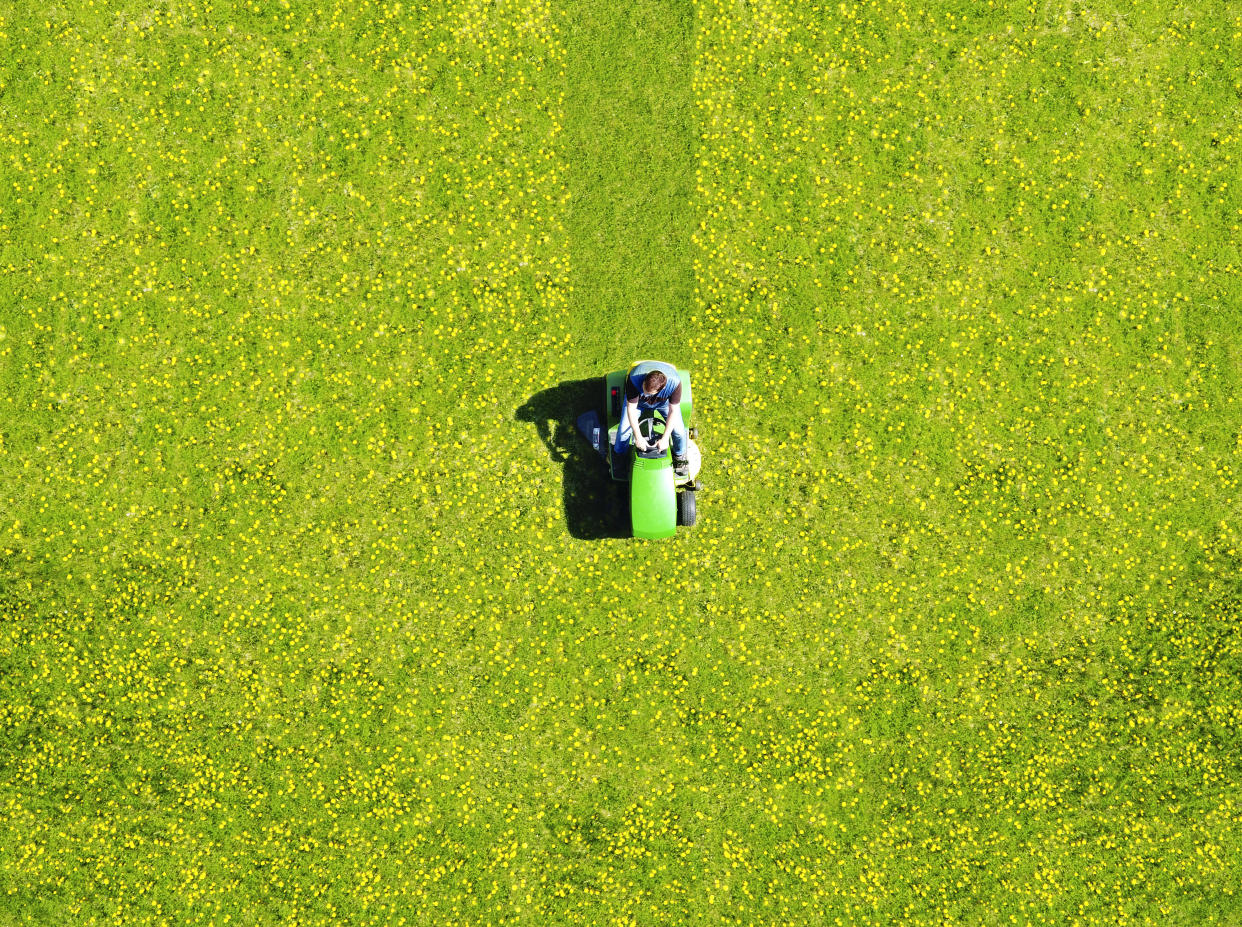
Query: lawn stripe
(629,153)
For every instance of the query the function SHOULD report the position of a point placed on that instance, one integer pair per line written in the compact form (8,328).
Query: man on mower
(653,386)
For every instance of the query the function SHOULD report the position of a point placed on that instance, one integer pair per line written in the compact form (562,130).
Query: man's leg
(621,446)
(678,440)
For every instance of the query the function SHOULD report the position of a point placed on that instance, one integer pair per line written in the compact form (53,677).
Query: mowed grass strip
(629,147)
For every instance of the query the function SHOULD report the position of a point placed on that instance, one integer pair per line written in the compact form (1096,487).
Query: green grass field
(315,609)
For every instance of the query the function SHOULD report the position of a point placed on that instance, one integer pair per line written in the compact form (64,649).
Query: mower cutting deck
(659,499)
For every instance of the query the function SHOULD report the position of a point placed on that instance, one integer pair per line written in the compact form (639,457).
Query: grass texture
(314,609)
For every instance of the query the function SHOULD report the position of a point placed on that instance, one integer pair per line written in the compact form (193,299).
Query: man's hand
(641,443)
(662,443)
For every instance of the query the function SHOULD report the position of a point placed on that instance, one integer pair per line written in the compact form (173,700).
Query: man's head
(653,383)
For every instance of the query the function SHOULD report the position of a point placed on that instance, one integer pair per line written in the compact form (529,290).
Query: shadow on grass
(594,502)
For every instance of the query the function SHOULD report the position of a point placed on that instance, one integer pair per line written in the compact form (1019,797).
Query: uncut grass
(196,613)
(952,247)
(295,623)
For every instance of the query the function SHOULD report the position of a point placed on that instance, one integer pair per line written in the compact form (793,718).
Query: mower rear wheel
(686,509)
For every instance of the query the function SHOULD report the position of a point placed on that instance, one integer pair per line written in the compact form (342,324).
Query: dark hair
(654,382)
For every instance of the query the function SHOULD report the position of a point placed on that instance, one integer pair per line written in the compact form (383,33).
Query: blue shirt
(670,392)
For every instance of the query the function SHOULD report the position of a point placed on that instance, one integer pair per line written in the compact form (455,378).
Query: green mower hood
(653,497)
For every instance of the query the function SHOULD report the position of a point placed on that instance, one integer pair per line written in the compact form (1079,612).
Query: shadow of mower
(593,501)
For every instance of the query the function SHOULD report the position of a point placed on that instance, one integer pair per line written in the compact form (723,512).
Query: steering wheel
(649,436)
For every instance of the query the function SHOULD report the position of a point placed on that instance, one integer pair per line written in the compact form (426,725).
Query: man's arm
(631,414)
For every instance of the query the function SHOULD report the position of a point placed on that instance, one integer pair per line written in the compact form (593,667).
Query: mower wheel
(686,511)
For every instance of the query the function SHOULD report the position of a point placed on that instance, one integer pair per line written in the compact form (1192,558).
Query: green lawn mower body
(659,499)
